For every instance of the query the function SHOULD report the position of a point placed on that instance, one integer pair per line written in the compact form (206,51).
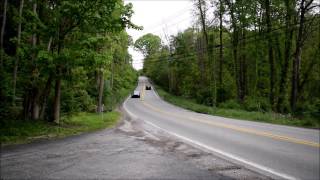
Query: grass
(18,131)
(267,117)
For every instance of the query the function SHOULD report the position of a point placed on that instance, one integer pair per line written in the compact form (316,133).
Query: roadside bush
(76,100)
(230,104)
(256,104)
(309,110)
(203,96)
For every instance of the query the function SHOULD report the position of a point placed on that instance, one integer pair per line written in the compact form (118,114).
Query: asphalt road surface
(281,152)
(131,150)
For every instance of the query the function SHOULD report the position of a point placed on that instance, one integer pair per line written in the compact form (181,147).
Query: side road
(131,150)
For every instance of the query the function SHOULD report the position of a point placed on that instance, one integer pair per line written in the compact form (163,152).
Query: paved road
(121,153)
(278,151)
(132,150)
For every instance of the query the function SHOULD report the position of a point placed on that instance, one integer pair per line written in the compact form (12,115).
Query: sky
(159,17)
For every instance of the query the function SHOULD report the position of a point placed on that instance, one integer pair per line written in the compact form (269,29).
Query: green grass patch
(18,131)
(268,117)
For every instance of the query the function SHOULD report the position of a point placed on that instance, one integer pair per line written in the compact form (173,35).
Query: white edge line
(228,155)
(155,93)
(126,109)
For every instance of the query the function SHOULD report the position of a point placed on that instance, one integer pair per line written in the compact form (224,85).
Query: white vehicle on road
(135,94)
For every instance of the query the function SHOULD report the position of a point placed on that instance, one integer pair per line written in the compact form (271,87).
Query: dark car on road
(148,87)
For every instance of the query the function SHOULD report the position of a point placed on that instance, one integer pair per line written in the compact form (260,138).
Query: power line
(204,49)
(170,17)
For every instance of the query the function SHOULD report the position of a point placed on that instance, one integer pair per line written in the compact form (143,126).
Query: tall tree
(200,5)
(301,36)
(238,65)
(16,62)
(289,4)
(270,52)
(221,10)
(3,27)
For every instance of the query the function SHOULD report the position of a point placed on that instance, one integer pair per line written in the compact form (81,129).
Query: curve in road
(275,150)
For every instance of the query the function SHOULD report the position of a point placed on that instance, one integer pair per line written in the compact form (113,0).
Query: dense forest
(253,55)
(61,57)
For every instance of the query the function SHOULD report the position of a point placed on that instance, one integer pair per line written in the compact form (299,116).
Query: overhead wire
(204,49)
(176,15)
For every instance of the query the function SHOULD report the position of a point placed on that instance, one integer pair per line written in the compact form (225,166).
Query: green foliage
(76,100)
(309,109)
(123,84)
(230,104)
(66,47)
(241,74)
(19,131)
(256,104)
(148,44)
(232,109)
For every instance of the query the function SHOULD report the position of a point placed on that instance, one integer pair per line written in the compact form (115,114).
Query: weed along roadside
(19,132)
(267,117)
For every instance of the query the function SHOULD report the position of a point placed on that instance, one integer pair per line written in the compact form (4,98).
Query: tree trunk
(243,67)
(201,64)
(56,104)
(35,103)
(27,105)
(297,56)
(287,55)
(270,53)
(57,93)
(49,44)
(221,45)
(235,42)
(15,68)
(46,92)
(3,25)
(306,74)
(35,107)
(45,95)
(4,20)
(100,96)
(203,23)
(206,39)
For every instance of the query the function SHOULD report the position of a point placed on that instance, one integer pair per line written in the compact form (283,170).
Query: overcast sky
(158,17)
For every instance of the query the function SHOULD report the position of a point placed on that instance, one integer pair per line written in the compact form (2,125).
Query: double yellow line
(142,92)
(236,128)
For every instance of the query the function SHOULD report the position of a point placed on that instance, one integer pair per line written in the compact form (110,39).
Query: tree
(257,42)
(289,4)
(148,44)
(301,36)
(3,26)
(270,51)
(50,49)
(15,69)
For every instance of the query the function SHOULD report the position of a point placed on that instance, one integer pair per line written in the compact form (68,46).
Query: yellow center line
(236,128)
(142,92)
